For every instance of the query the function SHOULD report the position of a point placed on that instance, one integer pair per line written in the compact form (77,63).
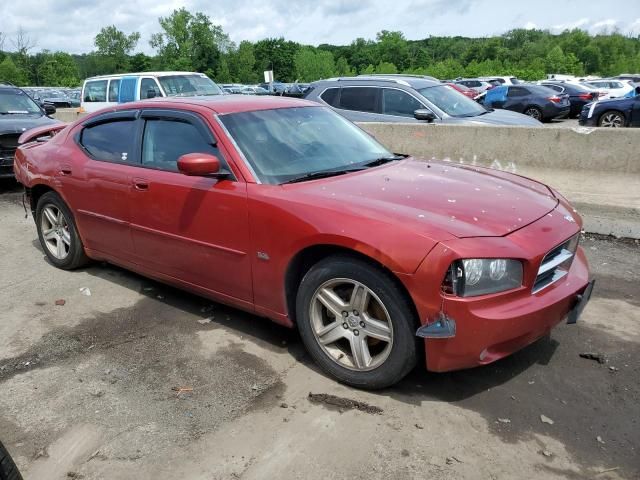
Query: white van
(105,90)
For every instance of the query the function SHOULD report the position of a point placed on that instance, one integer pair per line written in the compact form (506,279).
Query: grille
(8,145)
(556,263)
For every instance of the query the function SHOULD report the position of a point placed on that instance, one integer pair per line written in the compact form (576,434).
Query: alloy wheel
(55,231)
(351,324)
(533,112)
(611,120)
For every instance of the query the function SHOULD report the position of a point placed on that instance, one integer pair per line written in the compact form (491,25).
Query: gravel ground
(139,380)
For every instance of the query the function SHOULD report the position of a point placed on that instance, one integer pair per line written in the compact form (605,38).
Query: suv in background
(406,99)
(477,84)
(536,101)
(502,80)
(18,113)
(615,88)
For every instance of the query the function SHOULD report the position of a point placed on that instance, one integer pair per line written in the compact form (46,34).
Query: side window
(330,95)
(112,141)
(164,141)
(517,92)
(148,85)
(360,99)
(114,89)
(397,102)
(557,88)
(95,91)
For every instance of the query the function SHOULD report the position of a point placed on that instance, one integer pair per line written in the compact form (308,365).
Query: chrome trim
(559,259)
(561,255)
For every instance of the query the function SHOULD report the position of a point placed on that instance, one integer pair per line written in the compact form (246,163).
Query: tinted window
(330,95)
(557,88)
(397,102)
(112,141)
(165,141)
(114,90)
(149,85)
(360,99)
(95,91)
(517,92)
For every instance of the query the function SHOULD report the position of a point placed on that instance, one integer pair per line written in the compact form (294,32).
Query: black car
(579,96)
(537,101)
(18,113)
(615,112)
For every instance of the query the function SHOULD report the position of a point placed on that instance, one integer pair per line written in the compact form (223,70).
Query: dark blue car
(614,113)
(537,101)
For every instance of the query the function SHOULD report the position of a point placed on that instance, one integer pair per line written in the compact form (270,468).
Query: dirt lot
(139,380)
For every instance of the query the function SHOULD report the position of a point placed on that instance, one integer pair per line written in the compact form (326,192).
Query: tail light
(588,96)
(554,99)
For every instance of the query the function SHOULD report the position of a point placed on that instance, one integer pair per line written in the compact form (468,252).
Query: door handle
(65,170)
(140,184)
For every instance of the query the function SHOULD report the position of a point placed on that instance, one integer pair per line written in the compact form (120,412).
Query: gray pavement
(140,380)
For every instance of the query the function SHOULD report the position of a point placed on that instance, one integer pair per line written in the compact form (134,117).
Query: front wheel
(58,233)
(356,323)
(611,119)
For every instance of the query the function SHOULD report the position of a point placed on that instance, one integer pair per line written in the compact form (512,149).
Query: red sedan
(283,208)
(466,91)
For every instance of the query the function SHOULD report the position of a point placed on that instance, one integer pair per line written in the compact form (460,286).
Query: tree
(10,72)
(276,54)
(222,75)
(312,64)
(58,70)
(343,69)
(116,46)
(393,48)
(386,67)
(190,41)
(245,63)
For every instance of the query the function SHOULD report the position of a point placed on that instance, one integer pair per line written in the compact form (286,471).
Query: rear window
(95,91)
(331,95)
(360,99)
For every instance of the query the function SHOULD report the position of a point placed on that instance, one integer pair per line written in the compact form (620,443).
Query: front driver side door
(192,229)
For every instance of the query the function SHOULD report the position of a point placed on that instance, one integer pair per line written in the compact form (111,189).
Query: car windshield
(452,102)
(515,81)
(289,143)
(16,101)
(188,85)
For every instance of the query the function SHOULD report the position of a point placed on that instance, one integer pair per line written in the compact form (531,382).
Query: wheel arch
(306,258)
(36,192)
(614,110)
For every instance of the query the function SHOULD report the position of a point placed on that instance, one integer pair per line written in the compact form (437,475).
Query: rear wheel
(534,112)
(611,119)
(356,323)
(8,469)
(58,233)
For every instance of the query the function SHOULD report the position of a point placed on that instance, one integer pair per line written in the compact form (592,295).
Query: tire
(63,245)
(8,469)
(380,324)
(612,119)
(534,112)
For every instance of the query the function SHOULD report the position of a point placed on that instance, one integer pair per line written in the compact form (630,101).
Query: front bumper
(489,327)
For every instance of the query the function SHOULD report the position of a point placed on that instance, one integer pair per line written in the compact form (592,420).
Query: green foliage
(9,72)
(312,64)
(386,67)
(58,70)
(116,46)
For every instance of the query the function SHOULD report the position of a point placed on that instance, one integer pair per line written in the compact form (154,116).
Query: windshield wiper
(322,174)
(383,160)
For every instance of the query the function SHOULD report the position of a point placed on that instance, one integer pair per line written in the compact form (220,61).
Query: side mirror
(151,93)
(424,114)
(49,108)
(199,165)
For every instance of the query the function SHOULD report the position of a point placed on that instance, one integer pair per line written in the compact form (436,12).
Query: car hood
(435,197)
(497,117)
(19,123)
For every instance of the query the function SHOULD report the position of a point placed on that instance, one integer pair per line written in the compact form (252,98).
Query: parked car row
(59,96)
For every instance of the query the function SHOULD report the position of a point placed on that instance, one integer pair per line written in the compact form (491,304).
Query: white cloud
(580,23)
(604,25)
(530,26)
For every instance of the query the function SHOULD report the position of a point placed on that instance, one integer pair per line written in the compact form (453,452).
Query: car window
(330,95)
(517,92)
(166,140)
(557,88)
(112,141)
(148,85)
(114,89)
(95,91)
(16,101)
(360,99)
(397,102)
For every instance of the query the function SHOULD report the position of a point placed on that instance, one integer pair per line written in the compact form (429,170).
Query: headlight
(481,276)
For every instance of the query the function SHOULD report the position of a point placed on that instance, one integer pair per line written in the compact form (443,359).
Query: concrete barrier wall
(67,114)
(610,150)
(598,170)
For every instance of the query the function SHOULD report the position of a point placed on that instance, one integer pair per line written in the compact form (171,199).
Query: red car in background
(466,91)
(283,208)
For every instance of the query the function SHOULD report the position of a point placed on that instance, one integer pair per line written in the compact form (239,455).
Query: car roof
(224,104)
(379,81)
(142,74)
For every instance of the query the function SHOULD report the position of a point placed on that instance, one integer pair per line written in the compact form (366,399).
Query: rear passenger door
(360,104)
(517,99)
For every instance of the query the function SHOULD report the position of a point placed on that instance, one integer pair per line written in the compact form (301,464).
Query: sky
(71,25)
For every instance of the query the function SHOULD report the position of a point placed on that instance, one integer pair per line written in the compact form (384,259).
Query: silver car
(407,99)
